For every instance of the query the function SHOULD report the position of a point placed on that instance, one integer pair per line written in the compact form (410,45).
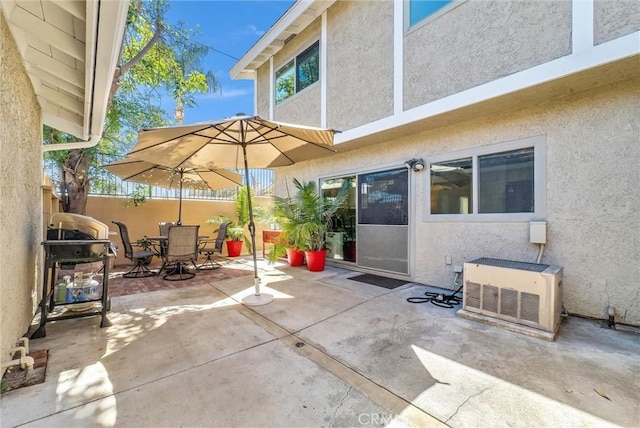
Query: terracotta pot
(295,257)
(316,260)
(234,248)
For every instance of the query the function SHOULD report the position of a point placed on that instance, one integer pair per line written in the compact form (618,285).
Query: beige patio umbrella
(237,142)
(154,174)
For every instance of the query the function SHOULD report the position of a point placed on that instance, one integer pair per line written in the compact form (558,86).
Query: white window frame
(539,182)
(294,58)
(408,28)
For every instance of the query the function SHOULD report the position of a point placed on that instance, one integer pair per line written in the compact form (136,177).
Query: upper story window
(420,9)
(299,73)
(505,181)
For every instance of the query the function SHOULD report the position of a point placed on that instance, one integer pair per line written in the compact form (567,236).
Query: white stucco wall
(20,193)
(593,196)
(359,63)
(262,107)
(615,18)
(303,107)
(458,50)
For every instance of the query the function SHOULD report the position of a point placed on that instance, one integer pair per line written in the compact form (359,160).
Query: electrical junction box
(538,232)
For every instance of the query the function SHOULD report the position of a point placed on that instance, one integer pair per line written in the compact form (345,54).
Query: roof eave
(294,20)
(104,42)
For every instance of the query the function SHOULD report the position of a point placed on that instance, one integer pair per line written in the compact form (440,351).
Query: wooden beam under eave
(62,99)
(47,63)
(75,8)
(56,110)
(261,58)
(48,33)
(54,80)
(70,124)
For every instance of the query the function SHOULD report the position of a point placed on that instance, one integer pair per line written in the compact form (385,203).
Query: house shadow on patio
(326,351)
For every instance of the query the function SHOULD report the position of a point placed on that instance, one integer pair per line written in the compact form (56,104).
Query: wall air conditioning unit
(528,294)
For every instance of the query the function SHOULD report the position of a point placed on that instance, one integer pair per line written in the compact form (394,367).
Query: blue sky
(231,27)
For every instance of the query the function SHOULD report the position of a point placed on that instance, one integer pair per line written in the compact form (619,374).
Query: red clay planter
(295,257)
(234,248)
(316,260)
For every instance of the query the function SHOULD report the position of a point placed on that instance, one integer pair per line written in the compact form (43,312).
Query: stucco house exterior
(57,61)
(464,122)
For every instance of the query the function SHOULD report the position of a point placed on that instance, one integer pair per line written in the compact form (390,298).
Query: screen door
(383,220)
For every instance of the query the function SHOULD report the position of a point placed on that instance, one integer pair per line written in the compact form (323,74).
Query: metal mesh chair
(163,226)
(182,246)
(208,251)
(140,270)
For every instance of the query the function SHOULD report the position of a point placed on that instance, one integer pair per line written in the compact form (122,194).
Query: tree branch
(124,68)
(133,61)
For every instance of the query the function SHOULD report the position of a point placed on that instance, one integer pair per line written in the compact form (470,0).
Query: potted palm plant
(306,218)
(236,230)
(235,236)
(286,213)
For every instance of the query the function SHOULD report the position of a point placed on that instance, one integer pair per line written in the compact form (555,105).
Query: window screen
(384,198)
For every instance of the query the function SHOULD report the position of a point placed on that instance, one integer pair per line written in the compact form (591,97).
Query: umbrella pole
(257,298)
(180,203)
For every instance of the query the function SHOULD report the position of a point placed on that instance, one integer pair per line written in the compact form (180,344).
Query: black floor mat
(380,281)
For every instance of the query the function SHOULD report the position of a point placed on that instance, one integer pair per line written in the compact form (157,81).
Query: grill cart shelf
(70,252)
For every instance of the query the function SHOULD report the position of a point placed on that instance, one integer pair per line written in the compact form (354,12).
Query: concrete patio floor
(328,351)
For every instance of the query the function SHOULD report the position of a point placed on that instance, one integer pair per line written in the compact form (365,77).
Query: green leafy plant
(316,213)
(138,197)
(236,233)
(236,228)
(305,218)
(144,243)
(156,55)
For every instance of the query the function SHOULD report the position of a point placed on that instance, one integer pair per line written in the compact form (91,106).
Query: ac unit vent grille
(473,294)
(510,264)
(490,298)
(529,307)
(509,303)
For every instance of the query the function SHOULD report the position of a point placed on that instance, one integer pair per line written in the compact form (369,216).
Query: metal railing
(104,183)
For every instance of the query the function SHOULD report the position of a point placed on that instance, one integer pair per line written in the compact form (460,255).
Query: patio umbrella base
(257,299)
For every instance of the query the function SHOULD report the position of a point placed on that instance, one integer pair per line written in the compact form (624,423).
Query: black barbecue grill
(79,251)
(65,247)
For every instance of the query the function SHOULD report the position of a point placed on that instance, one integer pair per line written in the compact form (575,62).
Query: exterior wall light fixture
(415,164)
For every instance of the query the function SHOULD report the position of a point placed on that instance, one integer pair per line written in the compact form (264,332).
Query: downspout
(93,140)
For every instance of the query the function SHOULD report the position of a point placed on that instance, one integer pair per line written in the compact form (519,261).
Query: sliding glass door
(371,229)
(341,239)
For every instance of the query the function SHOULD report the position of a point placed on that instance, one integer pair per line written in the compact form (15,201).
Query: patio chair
(140,258)
(182,246)
(210,263)
(163,226)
